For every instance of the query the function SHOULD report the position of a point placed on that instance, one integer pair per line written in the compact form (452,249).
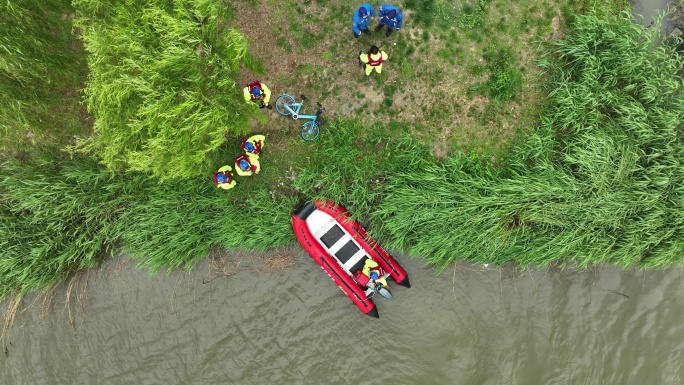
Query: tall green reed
(55,220)
(598,182)
(162,87)
(58,216)
(352,162)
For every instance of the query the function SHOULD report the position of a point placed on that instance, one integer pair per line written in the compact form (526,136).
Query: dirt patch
(555,28)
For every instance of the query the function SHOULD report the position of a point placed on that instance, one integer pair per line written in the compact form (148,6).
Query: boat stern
(373,312)
(404,282)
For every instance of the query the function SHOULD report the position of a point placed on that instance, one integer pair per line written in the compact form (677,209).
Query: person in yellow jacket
(254,144)
(373,59)
(374,272)
(223,178)
(257,92)
(247,165)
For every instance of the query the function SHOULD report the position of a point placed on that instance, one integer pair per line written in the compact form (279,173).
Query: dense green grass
(504,80)
(600,181)
(443,51)
(56,218)
(176,225)
(42,67)
(161,85)
(60,217)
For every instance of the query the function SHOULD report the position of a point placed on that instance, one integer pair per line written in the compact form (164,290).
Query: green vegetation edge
(597,181)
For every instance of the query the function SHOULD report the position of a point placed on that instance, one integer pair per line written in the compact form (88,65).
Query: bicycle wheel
(310,131)
(280,104)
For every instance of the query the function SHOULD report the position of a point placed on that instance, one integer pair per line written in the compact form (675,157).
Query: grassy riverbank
(587,172)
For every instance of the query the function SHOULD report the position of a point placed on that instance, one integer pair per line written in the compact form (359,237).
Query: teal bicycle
(287,106)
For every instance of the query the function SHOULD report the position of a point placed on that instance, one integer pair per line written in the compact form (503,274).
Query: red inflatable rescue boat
(342,248)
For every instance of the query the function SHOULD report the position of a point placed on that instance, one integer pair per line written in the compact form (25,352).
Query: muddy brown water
(469,325)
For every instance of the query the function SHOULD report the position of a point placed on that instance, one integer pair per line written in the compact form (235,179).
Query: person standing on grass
(373,59)
(223,178)
(361,18)
(257,92)
(389,16)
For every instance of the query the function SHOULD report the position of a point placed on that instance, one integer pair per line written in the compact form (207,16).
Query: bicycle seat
(303,97)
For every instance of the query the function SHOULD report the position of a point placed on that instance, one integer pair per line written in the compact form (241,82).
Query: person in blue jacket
(389,16)
(360,20)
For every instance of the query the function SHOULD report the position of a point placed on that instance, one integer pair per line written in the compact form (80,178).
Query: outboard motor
(383,291)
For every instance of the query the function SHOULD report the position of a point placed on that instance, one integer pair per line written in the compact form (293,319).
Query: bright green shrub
(162,86)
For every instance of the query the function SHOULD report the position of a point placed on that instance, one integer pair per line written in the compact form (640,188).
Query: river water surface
(469,325)
(649,9)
